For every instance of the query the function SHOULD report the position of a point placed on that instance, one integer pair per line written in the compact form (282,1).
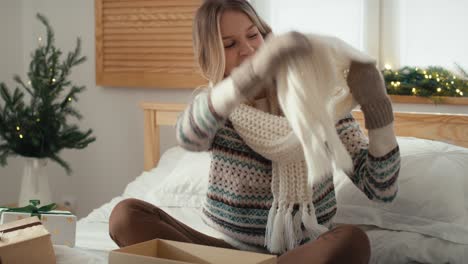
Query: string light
(388,66)
(69,99)
(53,80)
(17,128)
(426,82)
(38,120)
(21,136)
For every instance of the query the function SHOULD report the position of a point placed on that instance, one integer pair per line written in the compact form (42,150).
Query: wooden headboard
(450,128)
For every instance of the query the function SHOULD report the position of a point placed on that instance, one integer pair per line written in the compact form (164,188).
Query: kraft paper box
(26,241)
(60,224)
(159,251)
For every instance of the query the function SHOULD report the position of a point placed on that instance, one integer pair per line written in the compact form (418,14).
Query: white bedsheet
(93,242)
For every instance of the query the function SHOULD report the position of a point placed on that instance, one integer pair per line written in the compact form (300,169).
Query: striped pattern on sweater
(239,195)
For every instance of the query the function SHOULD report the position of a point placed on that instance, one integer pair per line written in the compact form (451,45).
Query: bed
(427,223)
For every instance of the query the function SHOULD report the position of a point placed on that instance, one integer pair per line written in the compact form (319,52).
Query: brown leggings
(133,221)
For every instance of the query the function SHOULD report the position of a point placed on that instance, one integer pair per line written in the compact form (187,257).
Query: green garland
(430,82)
(38,127)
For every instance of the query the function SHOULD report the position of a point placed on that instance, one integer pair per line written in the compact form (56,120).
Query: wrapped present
(26,241)
(160,251)
(60,224)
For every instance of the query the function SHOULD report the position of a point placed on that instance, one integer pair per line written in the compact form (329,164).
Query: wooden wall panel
(146,43)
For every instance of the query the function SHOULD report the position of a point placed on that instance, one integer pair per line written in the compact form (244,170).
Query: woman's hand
(250,77)
(368,89)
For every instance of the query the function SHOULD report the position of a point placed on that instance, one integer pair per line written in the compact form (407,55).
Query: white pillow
(432,195)
(151,179)
(186,185)
(141,185)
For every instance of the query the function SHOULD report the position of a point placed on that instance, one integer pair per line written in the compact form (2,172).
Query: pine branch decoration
(39,127)
(432,82)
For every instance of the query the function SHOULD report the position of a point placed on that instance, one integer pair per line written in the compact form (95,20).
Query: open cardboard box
(159,251)
(26,241)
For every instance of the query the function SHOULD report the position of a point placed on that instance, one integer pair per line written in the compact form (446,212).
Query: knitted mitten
(267,61)
(368,89)
(254,74)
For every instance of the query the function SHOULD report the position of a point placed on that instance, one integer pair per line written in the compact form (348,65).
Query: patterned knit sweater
(239,194)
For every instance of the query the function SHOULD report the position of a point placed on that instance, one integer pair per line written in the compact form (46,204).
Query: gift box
(60,224)
(26,241)
(159,251)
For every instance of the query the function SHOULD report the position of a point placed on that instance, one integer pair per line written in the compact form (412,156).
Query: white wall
(102,170)
(11,62)
(433,32)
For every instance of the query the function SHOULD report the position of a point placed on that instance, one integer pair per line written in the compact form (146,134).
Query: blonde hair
(207,41)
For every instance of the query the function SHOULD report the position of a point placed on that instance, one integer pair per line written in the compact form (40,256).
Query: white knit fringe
(270,223)
(309,219)
(292,228)
(278,243)
(284,229)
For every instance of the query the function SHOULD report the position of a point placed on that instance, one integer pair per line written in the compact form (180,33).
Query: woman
(229,43)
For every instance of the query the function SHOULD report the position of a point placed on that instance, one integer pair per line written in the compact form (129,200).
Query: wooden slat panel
(148,57)
(146,10)
(153,70)
(152,79)
(135,37)
(146,43)
(147,24)
(150,3)
(143,43)
(169,16)
(150,64)
(99,40)
(168,30)
(185,51)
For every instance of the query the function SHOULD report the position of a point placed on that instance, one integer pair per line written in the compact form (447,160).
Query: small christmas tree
(38,127)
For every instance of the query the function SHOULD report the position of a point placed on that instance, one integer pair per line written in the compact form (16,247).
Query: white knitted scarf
(304,146)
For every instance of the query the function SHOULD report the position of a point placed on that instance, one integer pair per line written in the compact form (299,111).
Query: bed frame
(450,128)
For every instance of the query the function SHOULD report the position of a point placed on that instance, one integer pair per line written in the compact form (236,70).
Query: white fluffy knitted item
(303,146)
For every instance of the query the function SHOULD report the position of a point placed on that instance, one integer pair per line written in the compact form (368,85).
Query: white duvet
(405,243)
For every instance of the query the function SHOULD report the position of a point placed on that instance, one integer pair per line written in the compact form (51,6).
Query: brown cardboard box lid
(27,247)
(15,227)
(159,251)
